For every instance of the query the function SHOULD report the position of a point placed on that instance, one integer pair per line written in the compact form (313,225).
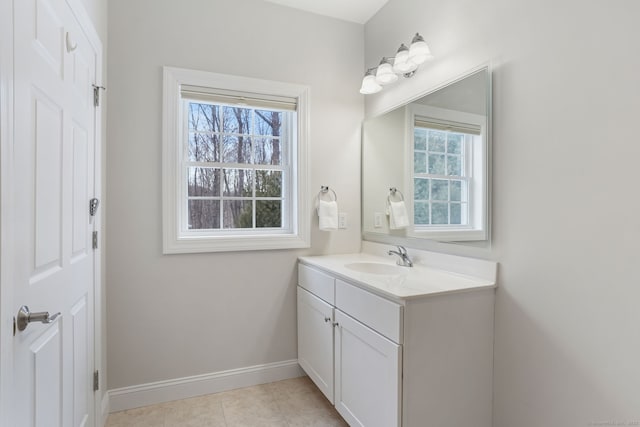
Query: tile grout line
(224,416)
(276,396)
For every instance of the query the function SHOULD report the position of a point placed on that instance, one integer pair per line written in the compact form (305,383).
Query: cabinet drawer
(318,283)
(379,314)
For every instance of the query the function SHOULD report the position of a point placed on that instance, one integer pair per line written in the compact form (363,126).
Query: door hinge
(95,240)
(96,95)
(96,381)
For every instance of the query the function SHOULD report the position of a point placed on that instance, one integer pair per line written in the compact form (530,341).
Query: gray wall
(171,316)
(566,214)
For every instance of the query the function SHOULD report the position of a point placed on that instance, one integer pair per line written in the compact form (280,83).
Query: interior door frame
(7,303)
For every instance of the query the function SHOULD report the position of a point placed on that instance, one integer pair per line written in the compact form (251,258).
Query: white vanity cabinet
(357,368)
(387,362)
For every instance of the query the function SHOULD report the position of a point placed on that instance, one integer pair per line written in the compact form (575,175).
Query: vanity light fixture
(405,63)
(401,64)
(369,84)
(385,74)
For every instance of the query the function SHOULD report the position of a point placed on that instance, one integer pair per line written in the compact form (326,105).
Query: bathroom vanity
(398,346)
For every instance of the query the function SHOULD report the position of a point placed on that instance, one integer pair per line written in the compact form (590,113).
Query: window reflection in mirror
(435,150)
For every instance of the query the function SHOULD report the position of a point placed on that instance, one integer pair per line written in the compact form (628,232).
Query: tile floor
(290,403)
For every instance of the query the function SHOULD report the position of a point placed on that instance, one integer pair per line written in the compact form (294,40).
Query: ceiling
(359,11)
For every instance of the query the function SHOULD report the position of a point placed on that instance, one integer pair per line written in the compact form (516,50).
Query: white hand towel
(328,215)
(398,217)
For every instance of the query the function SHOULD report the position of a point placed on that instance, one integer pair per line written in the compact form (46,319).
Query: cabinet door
(368,373)
(315,340)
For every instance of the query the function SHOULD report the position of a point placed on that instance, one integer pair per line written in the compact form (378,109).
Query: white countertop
(410,282)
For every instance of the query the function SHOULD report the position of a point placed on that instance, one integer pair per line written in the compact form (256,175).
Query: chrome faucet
(404,260)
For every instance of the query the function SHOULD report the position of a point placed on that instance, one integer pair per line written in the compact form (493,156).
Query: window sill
(450,235)
(235,243)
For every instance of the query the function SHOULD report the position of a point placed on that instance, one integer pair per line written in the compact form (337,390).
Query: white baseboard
(124,398)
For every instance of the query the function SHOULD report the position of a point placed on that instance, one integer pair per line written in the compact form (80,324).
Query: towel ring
(325,190)
(393,191)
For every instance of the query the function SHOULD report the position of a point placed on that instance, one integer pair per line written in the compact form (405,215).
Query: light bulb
(385,74)
(401,64)
(419,51)
(369,84)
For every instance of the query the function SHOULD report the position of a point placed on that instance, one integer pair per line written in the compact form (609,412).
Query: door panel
(81,369)
(48,34)
(81,73)
(80,178)
(47,161)
(46,394)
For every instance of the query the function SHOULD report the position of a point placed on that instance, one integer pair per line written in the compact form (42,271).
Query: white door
(368,375)
(315,340)
(51,238)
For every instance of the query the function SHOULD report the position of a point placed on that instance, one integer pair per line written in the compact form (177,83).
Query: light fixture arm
(405,75)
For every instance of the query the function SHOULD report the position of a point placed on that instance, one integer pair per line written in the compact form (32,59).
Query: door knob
(25,317)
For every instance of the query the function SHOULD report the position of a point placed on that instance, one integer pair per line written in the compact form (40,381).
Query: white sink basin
(375,268)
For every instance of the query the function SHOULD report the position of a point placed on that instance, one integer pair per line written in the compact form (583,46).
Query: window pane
(268,213)
(204,147)
(439,213)
(237,183)
(267,151)
(421,189)
(456,213)
(204,117)
(204,182)
(421,213)
(436,164)
(456,191)
(437,141)
(268,123)
(454,144)
(237,214)
(237,120)
(419,139)
(439,189)
(268,183)
(236,149)
(204,214)
(419,162)
(454,165)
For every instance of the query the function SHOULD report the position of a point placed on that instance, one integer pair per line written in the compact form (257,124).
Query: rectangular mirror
(426,167)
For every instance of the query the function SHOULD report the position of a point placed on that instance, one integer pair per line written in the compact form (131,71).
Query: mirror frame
(428,243)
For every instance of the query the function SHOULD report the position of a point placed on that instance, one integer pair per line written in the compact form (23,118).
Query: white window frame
(176,239)
(477,159)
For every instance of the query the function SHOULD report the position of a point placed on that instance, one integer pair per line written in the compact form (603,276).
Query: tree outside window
(235,166)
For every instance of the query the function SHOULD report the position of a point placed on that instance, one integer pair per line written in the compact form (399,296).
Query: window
(448,174)
(234,163)
(237,166)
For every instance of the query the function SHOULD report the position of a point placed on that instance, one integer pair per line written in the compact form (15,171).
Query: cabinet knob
(327,319)
(336,324)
